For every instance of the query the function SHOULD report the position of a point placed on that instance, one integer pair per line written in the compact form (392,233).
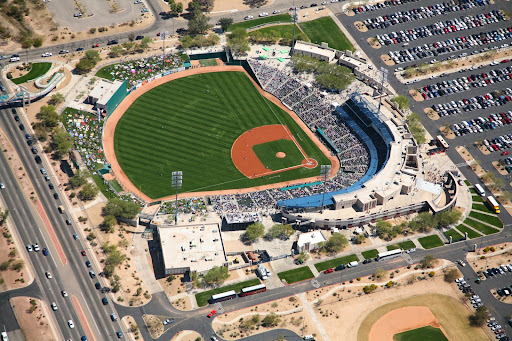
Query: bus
(389,254)
(442,142)
(493,203)
(253,290)
(223,296)
(480,190)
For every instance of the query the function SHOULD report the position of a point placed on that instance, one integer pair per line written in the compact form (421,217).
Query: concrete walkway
(142,265)
(311,312)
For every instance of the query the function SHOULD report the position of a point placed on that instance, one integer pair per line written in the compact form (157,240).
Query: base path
(401,320)
(122,178)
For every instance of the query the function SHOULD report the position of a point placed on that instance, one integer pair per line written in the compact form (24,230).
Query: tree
(17,265)
(41,131)
(177,8)
(49,116)
(237,41)
(451,275)
(336,243)
(79,178)
(144,43)
(37,41)
(84,65)
(448,218)
(216,275)
(253,232)
(108,223)
(89,191)
(131,37)
(56,99)
(225,23)
(271,320)
(360,238)
(402,101)
(423,222)
(304,63)
(334,77)
(93,56)
(383,228)
(428,262)
(116,51)
(280,231)
(479,317)
(61,142)
(198,24)
(121,209)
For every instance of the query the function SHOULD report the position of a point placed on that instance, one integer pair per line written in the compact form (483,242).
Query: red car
(83,253)
(505,153)
(95,45)
(213,312)
(328,271)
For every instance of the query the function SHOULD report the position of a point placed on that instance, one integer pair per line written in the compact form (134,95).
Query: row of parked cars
(419,13)
(449,87)
(495,98)
(480,124)
(498,143)
(508,162)
(381,5)
(442,27)
(450,45)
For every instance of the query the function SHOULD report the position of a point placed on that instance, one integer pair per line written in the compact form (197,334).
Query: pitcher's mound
(281,155)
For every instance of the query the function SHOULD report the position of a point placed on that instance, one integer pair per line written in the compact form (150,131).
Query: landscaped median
(489,219)
(454,234)
(203,297)
(471,233)
(335,262)
(37,70)
(485,229)
(430,242)
(409,244)
(296,275)
(370,254)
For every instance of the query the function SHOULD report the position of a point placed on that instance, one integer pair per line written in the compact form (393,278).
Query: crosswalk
(407,258)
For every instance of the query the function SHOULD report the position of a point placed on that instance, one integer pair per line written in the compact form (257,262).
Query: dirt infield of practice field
(401,320)
(122,178)
(246,160)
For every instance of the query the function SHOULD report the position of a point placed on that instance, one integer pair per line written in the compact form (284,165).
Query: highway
(31,229)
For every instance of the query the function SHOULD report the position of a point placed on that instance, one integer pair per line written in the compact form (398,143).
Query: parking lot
(94,13)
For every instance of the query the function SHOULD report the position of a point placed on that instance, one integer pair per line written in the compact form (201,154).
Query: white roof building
(322,53)
(309,241)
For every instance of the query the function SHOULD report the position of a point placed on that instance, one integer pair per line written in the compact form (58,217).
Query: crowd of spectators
(185,206)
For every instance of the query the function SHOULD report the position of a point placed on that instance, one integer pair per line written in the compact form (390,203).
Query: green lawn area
(370,254)
(295,275)
(190,129)
(104,72)
(454,234)
(208,62)
(472,190)
(203,297)
(427,333)
(282,29)
(485,229)
(477,198)
(467,183)
(430,242)
(482,207)
(493,220)
(103,187)
(259,21)
(115,185)
(471,233)
(408,244)
(335,262)
(38,69)
(325,30)
(266,152)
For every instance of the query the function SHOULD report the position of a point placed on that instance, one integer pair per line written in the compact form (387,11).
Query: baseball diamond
(191,124)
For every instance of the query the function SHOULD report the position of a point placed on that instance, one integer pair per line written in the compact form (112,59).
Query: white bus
(480,190)
(389,254)
(223,296)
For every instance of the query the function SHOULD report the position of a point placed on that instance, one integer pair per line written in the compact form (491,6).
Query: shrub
(492,249)
(431,273)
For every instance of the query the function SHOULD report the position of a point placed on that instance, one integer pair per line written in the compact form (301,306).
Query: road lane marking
(90,312)
(81,317)
(51,232)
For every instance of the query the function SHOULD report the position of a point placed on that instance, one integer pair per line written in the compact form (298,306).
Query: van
(352,264)
(62,209)
(309,337)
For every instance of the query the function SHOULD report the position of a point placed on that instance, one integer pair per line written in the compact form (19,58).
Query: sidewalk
(311,312)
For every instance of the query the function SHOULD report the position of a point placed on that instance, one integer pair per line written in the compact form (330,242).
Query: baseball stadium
(253,132)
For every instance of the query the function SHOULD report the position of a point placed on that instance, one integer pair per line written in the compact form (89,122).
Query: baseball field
(190,124)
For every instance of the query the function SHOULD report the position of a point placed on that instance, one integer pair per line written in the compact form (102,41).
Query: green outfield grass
(471,233)
(430,242)
(259,21)
(485,229)
(454,234)
(335,262)
(493,220)
(296,275)
(427,333)
(370,254)
(325,30)
(203,297)
(266,152)
(409,244)
(38,69)
(190,125)
(482,207)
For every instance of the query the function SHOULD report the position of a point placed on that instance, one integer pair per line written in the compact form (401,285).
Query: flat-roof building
(309,241)
(107,95)
(321,53)
(191,248)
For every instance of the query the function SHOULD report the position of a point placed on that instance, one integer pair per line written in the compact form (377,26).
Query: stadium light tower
(163,36)
(177,181)
(325,170)
(294,24)
(383,79)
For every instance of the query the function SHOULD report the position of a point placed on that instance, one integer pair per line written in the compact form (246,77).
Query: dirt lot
(154,324)
(186,335)
(29,320)
(502,254)
(290,311)
(11,279)
(129,323)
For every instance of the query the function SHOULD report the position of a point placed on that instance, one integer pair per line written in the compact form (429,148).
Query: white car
(46,54)
(249,17)
(48,275)
(71,324)
(29,248)
(461,263)
(36,247)
(276,11)
(264,14)
(137,2)
(2,186)
(54,306)
(64,293)
(14,59)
